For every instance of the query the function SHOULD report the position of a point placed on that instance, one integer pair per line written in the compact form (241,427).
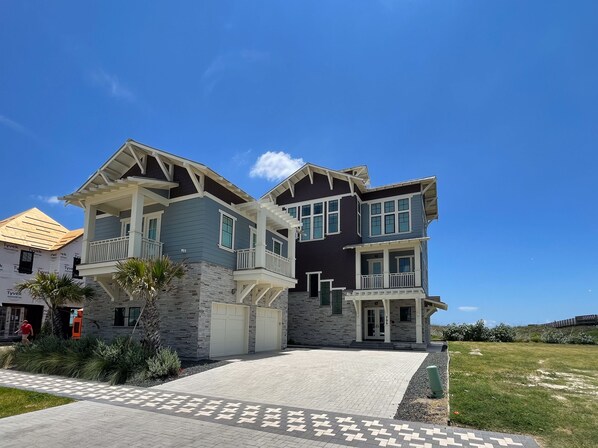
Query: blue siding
(106,228)
(180,230)
(417,223)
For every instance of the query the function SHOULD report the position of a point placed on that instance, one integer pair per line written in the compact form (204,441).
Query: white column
(386,268)
(89,230)
(357,269)
(358,321)
(418,321)
(136,230)
(386,303)
(260,246)
(418,264)
(291,249)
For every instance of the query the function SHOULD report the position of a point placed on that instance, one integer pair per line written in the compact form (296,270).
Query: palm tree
(145,280)
(55,291)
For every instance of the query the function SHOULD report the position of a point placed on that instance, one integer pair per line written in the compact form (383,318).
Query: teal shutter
(337,301)
(325,294)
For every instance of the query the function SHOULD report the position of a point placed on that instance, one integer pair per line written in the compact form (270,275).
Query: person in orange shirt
(26,330)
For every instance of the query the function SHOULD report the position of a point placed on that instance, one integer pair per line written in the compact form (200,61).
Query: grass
(16,401)
(546,390)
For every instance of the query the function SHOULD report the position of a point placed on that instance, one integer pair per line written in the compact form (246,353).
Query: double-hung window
(227,231)
(333,217)
(276,247)
(390,217)
(312,220)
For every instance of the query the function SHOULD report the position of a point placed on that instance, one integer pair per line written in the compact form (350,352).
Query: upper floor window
(292,211)
(276,247)
(227,231)
(26,262)
(312,219)
(358,217)
(150,226)
(333,217)
(390,217)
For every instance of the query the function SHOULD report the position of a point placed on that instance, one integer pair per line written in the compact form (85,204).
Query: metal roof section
(33,228)
(379,244)
(307,170)
(135,153)
(276,217)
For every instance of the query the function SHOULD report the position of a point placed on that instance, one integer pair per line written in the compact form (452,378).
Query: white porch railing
(374,281)
(402,280)
(114,249)
(245,259)
(278,263)
(108,250)
(274,262)
(395,280)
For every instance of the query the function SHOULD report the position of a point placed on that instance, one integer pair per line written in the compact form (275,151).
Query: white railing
(115,249)
(375,281)
(402,280)
(395,280)
(245,259)
(108,250)
(274,262)
(150,249)
(277,263)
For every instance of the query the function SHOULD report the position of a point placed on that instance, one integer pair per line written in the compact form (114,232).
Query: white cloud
(275,165)
(111,85)
(5,121)
(468,309)
(49,199)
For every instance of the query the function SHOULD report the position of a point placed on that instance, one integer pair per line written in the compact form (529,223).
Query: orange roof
(33,228)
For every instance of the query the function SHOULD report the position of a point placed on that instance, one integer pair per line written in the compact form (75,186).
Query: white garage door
(267,330)
(228,335)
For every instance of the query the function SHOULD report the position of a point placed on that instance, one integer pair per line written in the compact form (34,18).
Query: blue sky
(499,99)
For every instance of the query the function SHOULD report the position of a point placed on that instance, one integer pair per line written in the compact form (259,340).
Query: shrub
(502,333)
(553,337)
(477,332)
(454,332)
(163,364)
(580,338)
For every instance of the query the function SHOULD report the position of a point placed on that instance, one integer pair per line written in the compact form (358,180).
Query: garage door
(267,329)
(228,334)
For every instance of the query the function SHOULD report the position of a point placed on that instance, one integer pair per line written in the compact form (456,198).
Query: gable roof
(355,180)
(134,153)
(33,228)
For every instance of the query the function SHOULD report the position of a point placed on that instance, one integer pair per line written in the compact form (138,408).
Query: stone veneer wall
(312,324)
(185,312)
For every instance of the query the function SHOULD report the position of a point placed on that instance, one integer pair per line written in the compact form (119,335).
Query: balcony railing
(115,249)
(395,280)
(274,262)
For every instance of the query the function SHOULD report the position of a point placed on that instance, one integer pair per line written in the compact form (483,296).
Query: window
(26,262)
(277,247)
(119,317)
(133,315)
(292,211)
(333,217)
(150,226)
(227,231)
(312,219)
(405,264)
(76,262)
(253,236)
(405,314)
(337,301)
(325,292)
(375,219)
(358,217)
(152,229)
(390,217)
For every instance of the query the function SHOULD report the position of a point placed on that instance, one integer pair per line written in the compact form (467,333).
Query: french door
(374,323)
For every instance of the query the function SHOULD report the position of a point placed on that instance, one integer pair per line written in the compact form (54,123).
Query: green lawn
(548,391)
(16,401)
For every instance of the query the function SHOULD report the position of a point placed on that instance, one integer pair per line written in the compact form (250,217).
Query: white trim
(395,200)
(144,228)
(252,231)
(371,262)
(234,219)
(337,213)
(324,201)
(307,274)
(411,262)
(274,241)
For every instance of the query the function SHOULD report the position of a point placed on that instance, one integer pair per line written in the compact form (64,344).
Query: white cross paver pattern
(338,429)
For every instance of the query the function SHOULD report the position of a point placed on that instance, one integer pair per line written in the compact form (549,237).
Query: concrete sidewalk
(136,417)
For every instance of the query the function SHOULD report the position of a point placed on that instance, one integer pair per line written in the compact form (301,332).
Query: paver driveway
(362,382)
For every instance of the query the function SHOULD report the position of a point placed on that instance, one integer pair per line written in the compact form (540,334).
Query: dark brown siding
(305,191)
(368,196)
(222,193)
(327,255)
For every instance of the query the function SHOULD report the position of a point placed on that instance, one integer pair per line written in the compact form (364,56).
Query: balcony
(274,262)
(396,280)
(115,249)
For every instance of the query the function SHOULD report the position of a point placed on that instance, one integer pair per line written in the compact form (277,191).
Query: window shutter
(325,293)
(337,301)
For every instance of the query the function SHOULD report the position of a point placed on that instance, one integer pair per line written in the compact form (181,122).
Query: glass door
(374,323)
